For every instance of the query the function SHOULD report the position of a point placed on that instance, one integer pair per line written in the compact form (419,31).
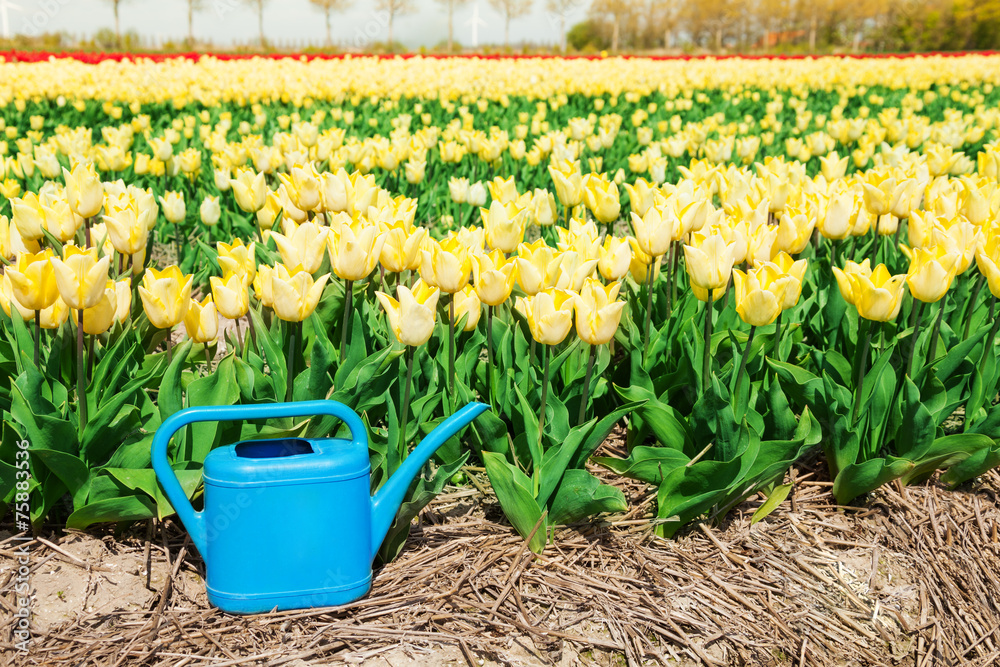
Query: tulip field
(733,263)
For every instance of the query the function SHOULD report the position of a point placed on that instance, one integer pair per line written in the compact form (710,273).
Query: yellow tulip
(250,190)
(210,211)
(173,207)
(7,300)
(54,316)
(33,280)
(569,185)
(641,196)
(162,149)
(230,295)
(844,277)
(83,190)
(569,270)
(126,231)
(615,258)
(99,318)
(295,293)
(494,277)
(655,231)
(549,314)
(794,231)
(879,296)
(467,303)
(81,277)
(239,259)
(504,226)
(602,199)
(760,294)
(355,250)
(262,285)
(795,272)
(401,248)
(123,292)
(833,166)
(840,214)
(302,186)
(268,213)
(458,188)
(598,312)
(533,260)
(202,320)
(709,261)
(446,265)
(10,188)
(931,272)
(29,216)
(503,190)
(166,296)
(412,317)
(303,247)
(988,261)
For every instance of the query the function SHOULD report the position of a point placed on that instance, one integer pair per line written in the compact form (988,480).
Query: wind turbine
(474,22)
(5,6)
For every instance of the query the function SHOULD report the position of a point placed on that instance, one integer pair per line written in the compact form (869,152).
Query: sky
(226,21)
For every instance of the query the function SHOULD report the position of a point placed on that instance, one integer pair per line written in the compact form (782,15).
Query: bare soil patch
(912,579)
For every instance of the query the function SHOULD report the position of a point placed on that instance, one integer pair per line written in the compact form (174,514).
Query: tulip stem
(409,354)
(208,358)
(775,351)
(743,361)
(81,394)
(649,303)
(972,306)
(293,340)
(451,344)
(706,355)
(586,384)
(531,353)
(253,331)
(348,303)
(862,360)
(239,337)
(918,309)
(932,350)
(674,261)
(545,396)
(489,355)
(38,335)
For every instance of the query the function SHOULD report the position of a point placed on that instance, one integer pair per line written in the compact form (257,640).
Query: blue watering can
(291,523)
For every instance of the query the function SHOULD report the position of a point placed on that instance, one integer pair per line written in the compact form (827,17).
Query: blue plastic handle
(194,521)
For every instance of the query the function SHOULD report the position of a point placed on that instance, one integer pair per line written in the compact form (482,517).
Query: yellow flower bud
(166,296)
(81,277)
(202,320)
(295,294)
(598,312)
(33,280)
(412,317)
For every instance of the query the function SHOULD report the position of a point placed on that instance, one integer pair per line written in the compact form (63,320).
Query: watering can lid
(286,461)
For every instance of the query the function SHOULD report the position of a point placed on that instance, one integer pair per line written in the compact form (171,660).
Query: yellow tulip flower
(760,294)
(262,285)
(709,261)
(844,277)
(549,314)
(304,246)
(295,293)
(504,226)
(123,309)
(598,312)
(568,183)
(83,190)
(988,261)
(7,300)
(446,265)
(126,231)
(355,250)
(601,197)
(210,211)
(795,230)
(655,231)
(467,302)
(794,271)
(29,216)
(569,270)
(239,259)
(411,318)
(458,188)
(173,207)
(33,280)
(494,277)
(99,318)
(303,187)
(533,260)
(54,316)
(615,258)
(503,190)
(879,296)
(166,296)
(250,190)
(931,272)
(230,295)
(81,277)
(202,320)
(401,248)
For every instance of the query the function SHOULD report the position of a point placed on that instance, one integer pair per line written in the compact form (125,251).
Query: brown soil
(911,579)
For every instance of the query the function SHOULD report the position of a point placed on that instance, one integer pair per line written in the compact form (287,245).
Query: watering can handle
(194,521)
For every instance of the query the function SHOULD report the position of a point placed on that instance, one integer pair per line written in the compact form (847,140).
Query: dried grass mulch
(911,578)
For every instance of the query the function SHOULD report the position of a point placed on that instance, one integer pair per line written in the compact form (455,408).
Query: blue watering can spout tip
(387,501)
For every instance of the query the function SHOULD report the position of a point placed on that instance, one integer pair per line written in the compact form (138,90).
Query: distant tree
(449,6)
(619,11)
(259,6)
(562,8)
(193,6)
(328,7)
(586,35)
(511,9)
(394,8)
(118,27)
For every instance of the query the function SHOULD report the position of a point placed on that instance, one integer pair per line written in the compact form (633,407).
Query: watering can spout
(387,501)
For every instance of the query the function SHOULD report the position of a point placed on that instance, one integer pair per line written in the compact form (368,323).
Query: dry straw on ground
(912,578)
